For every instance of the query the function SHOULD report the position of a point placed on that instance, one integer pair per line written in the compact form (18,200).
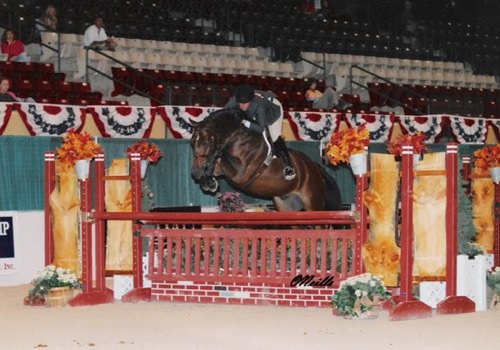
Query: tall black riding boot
(282,152)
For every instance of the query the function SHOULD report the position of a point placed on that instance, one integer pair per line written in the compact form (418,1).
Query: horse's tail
(332,191)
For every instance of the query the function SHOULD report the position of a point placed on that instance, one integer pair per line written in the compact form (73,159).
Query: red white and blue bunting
(379,125)
(50,120)
(178,118)
(5,113)
(469,130)
(430,125)
(123,121)
(137,122)
(309,126)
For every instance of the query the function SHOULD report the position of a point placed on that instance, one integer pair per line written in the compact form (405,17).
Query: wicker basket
(58,297)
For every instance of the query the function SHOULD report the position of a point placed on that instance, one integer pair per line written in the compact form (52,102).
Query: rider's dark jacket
(261,110)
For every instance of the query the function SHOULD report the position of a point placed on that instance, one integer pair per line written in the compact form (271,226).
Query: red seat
(43,100)
(224,96)
(44,88)
(171,76)
(121,75)
(60,100)
(62,88)
(114,103)
(81,87)
(284,98)
(203,96)
(25,84)
(78,101)
(158,92)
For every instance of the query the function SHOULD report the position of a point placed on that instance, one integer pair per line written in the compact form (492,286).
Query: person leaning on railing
(95,36)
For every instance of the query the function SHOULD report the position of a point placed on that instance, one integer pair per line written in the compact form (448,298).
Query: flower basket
(495,174)
(417,141)
(144,167)
(358,296)
(358,163)
(365,309)
(82,168)
(78,146)
(149,152)
(58,296)
(486,158)
(345,143)
(52,283)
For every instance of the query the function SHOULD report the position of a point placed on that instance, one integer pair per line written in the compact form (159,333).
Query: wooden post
(49,186)
(453,304)
(139,292)
(407,307)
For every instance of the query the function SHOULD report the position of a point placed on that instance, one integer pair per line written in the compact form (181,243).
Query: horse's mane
(225,116)
(224,121)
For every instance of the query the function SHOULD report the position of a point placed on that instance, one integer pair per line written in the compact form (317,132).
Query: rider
(266,112)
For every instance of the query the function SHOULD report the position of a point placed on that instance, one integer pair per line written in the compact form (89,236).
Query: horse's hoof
(210,185)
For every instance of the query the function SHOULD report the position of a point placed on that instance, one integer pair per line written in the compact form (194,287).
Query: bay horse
(223,146)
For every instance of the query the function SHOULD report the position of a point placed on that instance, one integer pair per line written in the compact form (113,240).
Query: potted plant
(78,149)
(349,145)
(230,202)
(53,286)
(493,280)
(149,152)
(488,158)
(416,140)
(357,296)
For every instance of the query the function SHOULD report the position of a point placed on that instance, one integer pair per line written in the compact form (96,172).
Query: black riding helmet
(244,93)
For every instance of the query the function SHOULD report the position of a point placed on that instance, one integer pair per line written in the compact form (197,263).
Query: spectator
(95,36)
(265,113)
(324,100)
(13,48)
(48,19)
(5,94)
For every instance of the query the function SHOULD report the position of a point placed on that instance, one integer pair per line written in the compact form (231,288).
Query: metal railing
(57,49)
(384,95)
(166,87)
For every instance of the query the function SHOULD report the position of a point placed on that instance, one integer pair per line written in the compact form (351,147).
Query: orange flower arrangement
(148,151)
(347,142)
(487,157)
(77,146)
(416,140)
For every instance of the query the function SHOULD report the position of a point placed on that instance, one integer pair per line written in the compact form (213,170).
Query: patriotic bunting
(5,113)
(469,130)
(137,122)
(123,121)
(429,125)
(310,126)
(178,118)
(50,120)
(379,126)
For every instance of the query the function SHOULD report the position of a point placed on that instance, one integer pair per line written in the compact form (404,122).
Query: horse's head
(210,139)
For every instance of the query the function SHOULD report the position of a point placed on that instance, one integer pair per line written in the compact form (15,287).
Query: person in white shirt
(95,36)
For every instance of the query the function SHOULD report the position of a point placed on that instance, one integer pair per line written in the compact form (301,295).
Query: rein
(259,171)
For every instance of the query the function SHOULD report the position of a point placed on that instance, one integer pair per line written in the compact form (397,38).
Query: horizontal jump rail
(253,219)
(248,255)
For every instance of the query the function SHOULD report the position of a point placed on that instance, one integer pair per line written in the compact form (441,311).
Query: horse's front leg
(208,182)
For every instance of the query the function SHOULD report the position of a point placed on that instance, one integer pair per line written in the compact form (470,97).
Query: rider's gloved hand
(246,123)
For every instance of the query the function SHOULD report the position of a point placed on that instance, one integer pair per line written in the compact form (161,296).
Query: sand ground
(157,325)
